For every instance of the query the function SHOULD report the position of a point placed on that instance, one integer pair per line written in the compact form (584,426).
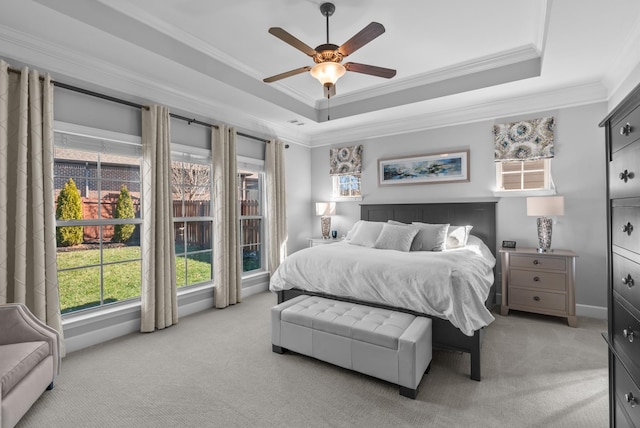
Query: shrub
(69,208)
(124,209)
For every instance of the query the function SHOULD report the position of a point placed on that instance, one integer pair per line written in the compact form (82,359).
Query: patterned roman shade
(524,140)
(346,160)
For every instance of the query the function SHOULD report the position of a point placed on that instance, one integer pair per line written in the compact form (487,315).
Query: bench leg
(50,387)
(277,349)
(408,392)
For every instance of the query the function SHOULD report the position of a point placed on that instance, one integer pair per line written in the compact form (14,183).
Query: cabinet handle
(626,129)
(626,175)
(536,262)
(627,228)
(536,278)
(628,333)
(628,280)
(536,298)
(630,399)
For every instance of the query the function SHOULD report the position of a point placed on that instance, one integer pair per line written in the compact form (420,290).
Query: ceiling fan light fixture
(328,73)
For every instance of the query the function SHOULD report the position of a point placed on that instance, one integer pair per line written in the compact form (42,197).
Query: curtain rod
(135,105)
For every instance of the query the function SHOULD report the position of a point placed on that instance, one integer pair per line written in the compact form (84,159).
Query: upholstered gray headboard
(481,215)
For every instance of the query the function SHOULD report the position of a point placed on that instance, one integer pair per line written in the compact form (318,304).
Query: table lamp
(542,207)
(325,210)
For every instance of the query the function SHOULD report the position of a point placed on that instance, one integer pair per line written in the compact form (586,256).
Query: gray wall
(578,171)
(298,183)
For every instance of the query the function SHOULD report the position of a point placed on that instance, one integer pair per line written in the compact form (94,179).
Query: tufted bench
(389,345)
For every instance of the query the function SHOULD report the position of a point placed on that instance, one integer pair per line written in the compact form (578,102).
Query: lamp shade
(328,72)
(325,208)
(545,206)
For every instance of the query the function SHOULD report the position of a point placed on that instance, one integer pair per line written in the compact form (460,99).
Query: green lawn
(80,288)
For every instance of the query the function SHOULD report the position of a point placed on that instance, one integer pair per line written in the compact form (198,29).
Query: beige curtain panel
(227,263)
(159,297)
(27,215)
(276,203)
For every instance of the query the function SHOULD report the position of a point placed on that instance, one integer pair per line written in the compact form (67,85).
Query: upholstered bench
(389,345)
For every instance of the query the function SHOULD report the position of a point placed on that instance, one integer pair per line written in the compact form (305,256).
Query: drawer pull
(628,333)
(536,262)
(627,228)
(626,129)
(536,278)
(626,175)
(536,298)
(628,280)
(630,399)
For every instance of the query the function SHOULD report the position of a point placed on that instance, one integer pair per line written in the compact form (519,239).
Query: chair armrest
(20,325)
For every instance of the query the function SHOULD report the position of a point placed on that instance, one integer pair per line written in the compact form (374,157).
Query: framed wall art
(425,169)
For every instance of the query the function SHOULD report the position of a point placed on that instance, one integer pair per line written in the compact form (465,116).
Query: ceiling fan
(328,57)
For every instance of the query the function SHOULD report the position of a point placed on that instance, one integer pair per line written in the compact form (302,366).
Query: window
(524,175)
(251,219)
(346,186)
(192,217)
(97,190)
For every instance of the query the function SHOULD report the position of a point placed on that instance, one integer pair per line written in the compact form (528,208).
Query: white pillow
(395,237)
(352,231)
(366,233)
(430,237)
(457,236)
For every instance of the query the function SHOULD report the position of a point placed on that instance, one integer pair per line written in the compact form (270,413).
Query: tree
(69,208)
(124,209)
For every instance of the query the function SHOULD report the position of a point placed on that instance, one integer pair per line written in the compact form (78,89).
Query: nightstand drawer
(536,262)
(626,279)
(538,279)
(627,394)
(626,334)
(538,300)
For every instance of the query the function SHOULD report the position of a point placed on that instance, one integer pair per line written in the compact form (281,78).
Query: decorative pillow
(352,231)
(394,237)
(430,237)
(457,236)
(367,233)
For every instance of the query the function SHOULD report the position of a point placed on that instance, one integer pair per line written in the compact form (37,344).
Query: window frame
(335,188)
(188,154)
(95,140)
(256,166)
(548,189)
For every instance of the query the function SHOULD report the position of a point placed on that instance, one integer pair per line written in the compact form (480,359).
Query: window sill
(347,198)
(523,193)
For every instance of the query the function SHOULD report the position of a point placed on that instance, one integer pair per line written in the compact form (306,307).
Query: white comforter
(452,284)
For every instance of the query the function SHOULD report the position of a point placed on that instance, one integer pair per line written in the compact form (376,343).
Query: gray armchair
(29,361)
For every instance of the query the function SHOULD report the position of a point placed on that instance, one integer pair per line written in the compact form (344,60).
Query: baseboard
(92,328)
(589,311)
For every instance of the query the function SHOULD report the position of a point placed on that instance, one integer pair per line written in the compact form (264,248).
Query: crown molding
(509,57)
(64,63)
(587,93)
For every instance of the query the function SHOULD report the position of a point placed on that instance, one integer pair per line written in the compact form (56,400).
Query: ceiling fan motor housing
(327,53)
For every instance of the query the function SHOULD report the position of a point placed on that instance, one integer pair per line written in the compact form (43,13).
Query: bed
(460,329)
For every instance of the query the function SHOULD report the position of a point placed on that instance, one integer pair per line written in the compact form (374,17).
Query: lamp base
(545,225)
(325,224)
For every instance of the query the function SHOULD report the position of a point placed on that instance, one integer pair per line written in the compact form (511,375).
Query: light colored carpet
(216,369)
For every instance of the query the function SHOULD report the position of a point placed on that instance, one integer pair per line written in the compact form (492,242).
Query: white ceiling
(456,60)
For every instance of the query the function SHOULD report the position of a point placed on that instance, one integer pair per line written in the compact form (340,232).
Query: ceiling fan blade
(288,38)
(286,74)
(365,35)
(370,69)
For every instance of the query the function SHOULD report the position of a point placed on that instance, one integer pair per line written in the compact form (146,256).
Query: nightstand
(320,241)
(542,283)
